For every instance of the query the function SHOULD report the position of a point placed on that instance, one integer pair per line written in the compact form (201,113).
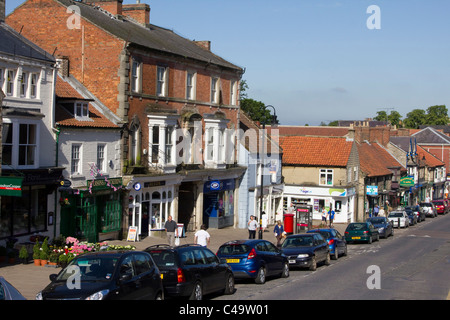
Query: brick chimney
(2,10)
(139,12)
(112,6)
(204,44)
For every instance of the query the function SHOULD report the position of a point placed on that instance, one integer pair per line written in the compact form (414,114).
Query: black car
(383,225)
(105,275)
(306,250)
(412,217)
(419,213)
(191,271)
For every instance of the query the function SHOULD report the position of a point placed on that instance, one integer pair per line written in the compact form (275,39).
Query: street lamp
(261,157)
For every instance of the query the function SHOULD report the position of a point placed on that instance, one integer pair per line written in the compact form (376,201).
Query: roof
(251,137)
(316,151)
(375,160)
(322,131)
(429,159)
(64,90)
(15,44)
(152,36)
(430,136)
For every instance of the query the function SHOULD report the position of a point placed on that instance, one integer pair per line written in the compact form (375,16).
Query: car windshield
(377,220)
(425,204)
(163,258)
(396,214)
(233,249)
(357,226)
(90,269)
(298,242)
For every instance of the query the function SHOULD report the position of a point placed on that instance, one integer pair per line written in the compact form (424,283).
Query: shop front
(341,200)
(92,214)
(218,203)
(150,203)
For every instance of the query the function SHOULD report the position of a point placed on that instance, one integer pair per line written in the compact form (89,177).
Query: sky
(316,61)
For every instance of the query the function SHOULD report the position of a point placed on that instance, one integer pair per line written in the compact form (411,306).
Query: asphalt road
(413,264)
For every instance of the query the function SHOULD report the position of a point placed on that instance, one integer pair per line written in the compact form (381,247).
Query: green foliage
(23,253)
(434,115)
(37,250)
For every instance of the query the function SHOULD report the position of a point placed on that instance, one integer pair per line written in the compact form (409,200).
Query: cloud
(339,90)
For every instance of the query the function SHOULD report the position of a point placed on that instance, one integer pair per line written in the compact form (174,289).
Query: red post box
(289,222)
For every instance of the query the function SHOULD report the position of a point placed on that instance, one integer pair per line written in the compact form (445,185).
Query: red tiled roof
(315,151)
(430,159)
(375,160)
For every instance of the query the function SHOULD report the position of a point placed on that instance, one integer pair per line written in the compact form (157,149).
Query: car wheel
(370,240)
(313,266)
(229,284)
(335,256)
(197,293)
(261,276)
(159,296)
(328,259)
(345,251)
(285,272)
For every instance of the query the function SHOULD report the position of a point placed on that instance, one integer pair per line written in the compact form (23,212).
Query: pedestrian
(264,221)
(278,232)
(252,226)
(202,236)
(171,228)
(324,216)
(376,210)
(331,214)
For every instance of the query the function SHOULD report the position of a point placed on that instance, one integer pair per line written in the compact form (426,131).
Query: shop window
(156,195)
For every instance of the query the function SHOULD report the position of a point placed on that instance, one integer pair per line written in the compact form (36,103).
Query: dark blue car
(336,242)
(306,250)
(383,225)
(255,259)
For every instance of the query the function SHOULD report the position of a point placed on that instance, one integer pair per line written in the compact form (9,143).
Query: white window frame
(233,92)
(101,157)
(81,110)
(76,159)
(136,76)
(2,78)
(24,84)
(216,143)
(191,85)
(166,126)
(161,81)
(215,85)
(34,80)
(10,80)
(326,172)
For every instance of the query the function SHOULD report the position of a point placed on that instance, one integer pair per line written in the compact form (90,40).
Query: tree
(256,110)
(415,118)
(394,118)
(437,115)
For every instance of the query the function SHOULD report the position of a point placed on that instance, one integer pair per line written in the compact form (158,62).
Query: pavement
(30,279)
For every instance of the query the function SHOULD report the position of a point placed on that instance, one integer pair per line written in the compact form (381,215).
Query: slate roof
(430,135)
(152,37)
(316,151)
(14,44)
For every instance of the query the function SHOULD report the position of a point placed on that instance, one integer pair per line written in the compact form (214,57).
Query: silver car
(8,292)
(399,219)
(429,209)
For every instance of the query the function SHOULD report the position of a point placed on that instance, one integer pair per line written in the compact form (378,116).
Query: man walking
(171,231)
(331,214)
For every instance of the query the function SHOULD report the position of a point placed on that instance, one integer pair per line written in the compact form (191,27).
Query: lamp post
(261,159)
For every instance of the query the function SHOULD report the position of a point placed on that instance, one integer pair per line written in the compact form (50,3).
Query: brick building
(177,101)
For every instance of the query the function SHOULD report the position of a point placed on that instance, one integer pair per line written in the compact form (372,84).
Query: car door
(321,247)
(276,257)
(148,278)
(126,279)
(216,270)
(340,242)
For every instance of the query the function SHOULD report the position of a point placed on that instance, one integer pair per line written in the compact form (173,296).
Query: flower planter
(37,262)
(43,262)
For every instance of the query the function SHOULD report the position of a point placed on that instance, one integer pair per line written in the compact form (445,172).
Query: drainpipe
(58,131)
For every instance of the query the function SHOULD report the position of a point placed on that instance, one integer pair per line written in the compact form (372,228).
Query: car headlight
(303,255)
(39,296)
(381,229)
(98,295)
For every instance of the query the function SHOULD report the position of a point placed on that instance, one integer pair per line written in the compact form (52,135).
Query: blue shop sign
(218,185)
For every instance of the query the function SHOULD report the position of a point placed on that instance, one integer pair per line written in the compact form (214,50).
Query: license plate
(233,260)
(356,238)
(291,261)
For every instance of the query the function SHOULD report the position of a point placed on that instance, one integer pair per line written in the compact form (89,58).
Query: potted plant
(62,259)
(37,253)
(2,253)
(53,258)
(11,256)
(44,257)
(23,254)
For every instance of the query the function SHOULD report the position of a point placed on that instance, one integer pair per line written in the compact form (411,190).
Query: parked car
(383,225)
(419,213)
(191,271)
(412,217)
(124,275)
(306,250)
(429,209)
(336,242)
(254,259)
(8,291)
(399,219)
(361,231)
(442,206)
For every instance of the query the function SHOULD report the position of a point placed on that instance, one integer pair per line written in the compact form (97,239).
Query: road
(413,264)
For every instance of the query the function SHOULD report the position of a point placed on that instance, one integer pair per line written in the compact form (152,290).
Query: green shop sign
(11,186)
(102,184)
(407,182)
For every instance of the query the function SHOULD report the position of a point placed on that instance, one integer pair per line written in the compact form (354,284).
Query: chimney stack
(112,6)
(2,10)
(204,44)
(139,12)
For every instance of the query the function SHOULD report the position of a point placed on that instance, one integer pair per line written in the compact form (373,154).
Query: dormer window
(81,110)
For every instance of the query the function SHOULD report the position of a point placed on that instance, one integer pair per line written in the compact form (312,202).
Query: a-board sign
(132,233)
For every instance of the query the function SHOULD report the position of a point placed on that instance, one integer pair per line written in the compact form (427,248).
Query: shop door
(110,218)
(86,220)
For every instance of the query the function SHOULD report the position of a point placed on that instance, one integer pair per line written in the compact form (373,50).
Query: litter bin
(289,222)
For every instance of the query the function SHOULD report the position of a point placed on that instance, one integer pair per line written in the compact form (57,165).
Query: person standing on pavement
(331,214)
(324,216)
(171,228)
(376,210)
(252,226)
(202,237)
(278,232)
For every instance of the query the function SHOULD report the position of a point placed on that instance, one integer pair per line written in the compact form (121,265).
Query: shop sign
(11,186)
(101,184)
(372,190)
(218,185)
(407,182)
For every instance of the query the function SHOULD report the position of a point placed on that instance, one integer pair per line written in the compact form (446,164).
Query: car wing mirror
(53,277)
(124,278)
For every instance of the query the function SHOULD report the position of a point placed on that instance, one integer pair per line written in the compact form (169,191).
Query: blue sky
(316,60)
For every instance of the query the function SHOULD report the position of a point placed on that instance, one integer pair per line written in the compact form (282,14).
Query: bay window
(20,144)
